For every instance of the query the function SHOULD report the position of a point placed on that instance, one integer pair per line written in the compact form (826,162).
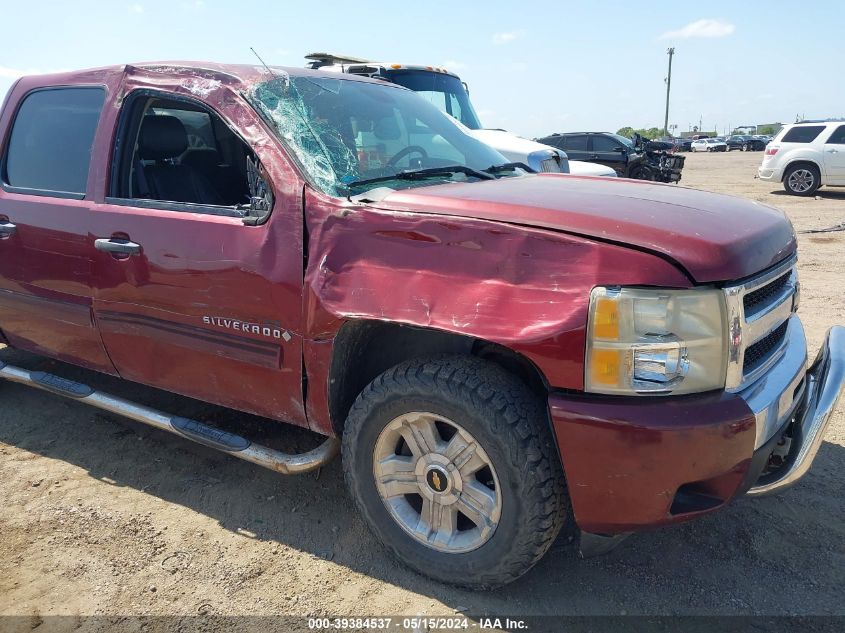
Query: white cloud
(507,37)
(451,64)
(135,8)
(701,28)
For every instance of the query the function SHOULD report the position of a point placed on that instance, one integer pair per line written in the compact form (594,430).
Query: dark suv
(745,143)
(629,159)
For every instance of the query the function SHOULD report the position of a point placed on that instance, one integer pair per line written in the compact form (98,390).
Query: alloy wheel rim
(801,180)
(437,482)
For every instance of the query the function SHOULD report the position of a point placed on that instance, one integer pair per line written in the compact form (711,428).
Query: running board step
(193,430)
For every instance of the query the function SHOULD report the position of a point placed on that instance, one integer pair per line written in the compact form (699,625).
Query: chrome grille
(762,296)
(549,165)
(760,351)
(758,312)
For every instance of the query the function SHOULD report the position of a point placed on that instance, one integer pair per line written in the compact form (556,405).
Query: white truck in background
(451,95)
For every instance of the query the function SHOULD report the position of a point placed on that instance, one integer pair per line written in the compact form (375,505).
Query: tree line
(656,132)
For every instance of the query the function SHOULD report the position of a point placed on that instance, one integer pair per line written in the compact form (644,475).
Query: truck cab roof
(238,75)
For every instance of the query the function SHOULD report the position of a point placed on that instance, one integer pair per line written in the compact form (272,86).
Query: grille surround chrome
(744,331)
(549,165)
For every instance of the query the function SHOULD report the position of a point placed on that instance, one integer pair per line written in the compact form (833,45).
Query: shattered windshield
(346,133)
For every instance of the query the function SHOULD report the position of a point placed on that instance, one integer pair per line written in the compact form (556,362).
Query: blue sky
(564,66)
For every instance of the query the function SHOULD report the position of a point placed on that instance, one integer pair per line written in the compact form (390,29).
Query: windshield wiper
(421,174)
(498,169)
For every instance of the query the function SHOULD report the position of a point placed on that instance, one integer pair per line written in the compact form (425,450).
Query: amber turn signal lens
(606,319)
(604,366)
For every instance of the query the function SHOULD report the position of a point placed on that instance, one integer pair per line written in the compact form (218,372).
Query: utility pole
(670,52)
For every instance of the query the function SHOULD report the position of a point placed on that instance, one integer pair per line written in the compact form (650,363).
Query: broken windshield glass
(345,131)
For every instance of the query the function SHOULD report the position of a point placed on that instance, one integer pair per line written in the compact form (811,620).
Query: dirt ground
(104,516)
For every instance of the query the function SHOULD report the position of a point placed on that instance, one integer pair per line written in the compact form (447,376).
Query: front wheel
(451,463)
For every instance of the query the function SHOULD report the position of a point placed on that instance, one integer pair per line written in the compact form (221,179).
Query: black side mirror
(260,194)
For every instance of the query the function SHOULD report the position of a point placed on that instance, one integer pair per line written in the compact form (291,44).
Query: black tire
(809,176)
(508,422)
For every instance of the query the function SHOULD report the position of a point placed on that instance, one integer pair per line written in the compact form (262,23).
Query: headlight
(653,341)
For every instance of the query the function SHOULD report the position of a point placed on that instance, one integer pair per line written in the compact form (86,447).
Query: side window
(604,144)
(576,143)
(802,134)
(50,145)
(454,107)
(838,136)
(198,127)
(554,141)
(437,99)
(177,151)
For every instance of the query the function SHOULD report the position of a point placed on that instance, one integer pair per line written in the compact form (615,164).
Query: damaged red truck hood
(713,237)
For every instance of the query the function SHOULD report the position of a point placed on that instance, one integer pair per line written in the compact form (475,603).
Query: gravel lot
(104,516)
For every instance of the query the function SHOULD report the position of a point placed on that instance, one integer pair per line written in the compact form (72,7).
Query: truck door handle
(117,246)
(7,229)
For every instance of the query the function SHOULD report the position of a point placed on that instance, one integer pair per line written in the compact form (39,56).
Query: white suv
(805,156)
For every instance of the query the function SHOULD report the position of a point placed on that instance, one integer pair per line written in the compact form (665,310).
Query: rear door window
(802,134)
(577,143)
(49,149)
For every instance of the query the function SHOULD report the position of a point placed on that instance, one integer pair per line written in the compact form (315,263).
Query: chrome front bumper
(823,383)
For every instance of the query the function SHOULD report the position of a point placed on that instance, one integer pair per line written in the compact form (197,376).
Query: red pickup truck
(496,351)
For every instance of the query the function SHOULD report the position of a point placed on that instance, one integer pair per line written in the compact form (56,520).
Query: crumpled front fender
(521,287)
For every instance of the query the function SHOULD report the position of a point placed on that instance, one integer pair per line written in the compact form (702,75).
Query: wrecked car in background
(630,158)
(498,352)
(451,95)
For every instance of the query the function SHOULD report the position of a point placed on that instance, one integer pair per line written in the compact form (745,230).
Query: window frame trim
(7,142)
(118,152)
(180,207)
